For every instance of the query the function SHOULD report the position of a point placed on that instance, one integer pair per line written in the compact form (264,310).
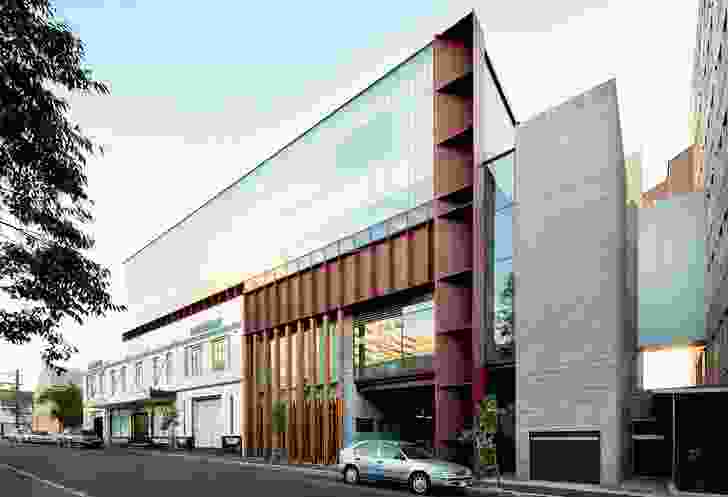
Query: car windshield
(414,452)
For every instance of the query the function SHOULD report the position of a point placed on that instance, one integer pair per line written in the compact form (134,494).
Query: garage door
(208,422)
(569,456)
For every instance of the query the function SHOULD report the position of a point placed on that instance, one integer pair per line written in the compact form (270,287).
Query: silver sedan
(400,462)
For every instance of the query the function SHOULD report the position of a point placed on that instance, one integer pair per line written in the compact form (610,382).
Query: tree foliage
(65,402)
(45,272)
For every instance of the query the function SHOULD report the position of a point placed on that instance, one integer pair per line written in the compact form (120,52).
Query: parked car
(19,436)
(81,438)
(40,437)
(401,462)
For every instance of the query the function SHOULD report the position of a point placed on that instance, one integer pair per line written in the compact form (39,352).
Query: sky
(202,92)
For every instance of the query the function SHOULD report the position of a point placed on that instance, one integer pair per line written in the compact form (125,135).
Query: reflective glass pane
(361,239)
(496,130)
(377,232)
(503,236)
(364,164)
(419,332)
(397,223)
(502,173)
(317,257)
(503,326)
(346,245)
(332,251)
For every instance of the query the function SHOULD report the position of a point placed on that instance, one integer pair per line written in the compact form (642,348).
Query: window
(195,360)
(123,379)
(366,449)
(139,376)
(364,425)
(388,450)
(113,383)
(168,367)
(217,348)
(155,371)
(90,384)
(101,383)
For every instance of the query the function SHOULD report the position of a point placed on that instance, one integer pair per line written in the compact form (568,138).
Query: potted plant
(279,422)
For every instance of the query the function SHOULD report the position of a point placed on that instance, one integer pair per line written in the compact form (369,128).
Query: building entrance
(701,438)
(139,426)
(405,414)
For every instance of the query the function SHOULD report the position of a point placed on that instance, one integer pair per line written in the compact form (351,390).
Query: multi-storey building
(193,365)
(710,130)
(439,258)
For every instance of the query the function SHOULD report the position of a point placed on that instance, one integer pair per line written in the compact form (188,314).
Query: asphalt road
(15,485)
(115,473)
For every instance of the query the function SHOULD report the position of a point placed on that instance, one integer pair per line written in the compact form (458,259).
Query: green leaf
(46,273)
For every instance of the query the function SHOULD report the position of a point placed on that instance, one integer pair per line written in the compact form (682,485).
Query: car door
(390,457)
(364,453)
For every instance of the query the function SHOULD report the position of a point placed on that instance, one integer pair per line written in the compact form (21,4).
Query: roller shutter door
(566,456)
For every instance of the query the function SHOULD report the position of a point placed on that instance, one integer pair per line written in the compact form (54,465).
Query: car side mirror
(401,457)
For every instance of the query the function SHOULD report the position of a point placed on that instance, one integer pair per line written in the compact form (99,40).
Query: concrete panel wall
(569,262)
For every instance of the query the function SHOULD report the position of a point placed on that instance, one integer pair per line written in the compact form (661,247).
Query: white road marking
(57,486)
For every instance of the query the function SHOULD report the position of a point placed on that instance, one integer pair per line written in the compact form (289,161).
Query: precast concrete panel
(569,257)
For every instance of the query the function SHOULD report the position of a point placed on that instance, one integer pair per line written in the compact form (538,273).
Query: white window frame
(156,371)
(195,360)
(168,367)
(139,375)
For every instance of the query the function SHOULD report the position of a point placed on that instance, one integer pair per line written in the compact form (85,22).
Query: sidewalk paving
(508,485)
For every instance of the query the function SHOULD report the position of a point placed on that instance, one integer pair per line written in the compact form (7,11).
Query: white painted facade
(184,368)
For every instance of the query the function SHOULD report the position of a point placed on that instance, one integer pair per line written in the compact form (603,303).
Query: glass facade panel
(370,160)
(317,257)
(304,262)
(503,236)
(332,251)
(504,319)
(395,342)
(418,333)
(497,133)
(346,245)
(361,239)
(502,174)
(377,232)
(397,223)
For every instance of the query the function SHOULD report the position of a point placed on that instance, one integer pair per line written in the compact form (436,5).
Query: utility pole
(17,399)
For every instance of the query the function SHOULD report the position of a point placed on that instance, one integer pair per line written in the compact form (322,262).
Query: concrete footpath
(488,486)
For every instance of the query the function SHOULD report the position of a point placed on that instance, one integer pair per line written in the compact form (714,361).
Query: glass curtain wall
(370,160)
(395,342)
(501,172)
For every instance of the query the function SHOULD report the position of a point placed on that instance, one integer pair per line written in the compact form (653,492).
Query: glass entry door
(140,425)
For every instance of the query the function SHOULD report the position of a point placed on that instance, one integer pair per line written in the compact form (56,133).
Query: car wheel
(351,475)
(419,483)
